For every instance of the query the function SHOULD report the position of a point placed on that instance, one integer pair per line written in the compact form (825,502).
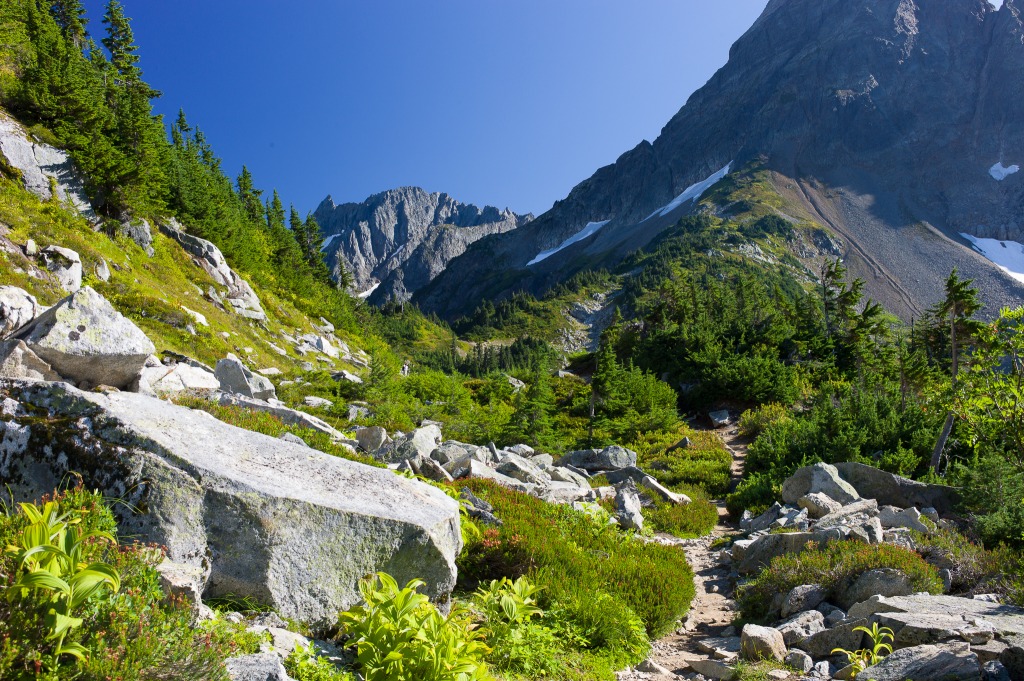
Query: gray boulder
(850,514)
(910,518)
(289,526)
(818,505)
(177,378)
(139,231)
(720,418)
(257,667)
(803,597)
(762,643)
(317,402)
(801,625)
(17,308)
(880,581)
(371,439)
(562,474)
(760,552)
(713,669)
(844,636)
(892,490)
(522,450)
(235,378)
(18,361)
(821,478)
(954,662)
(763,521)
(607,459)
(627,507)
(65,265)
(87,341)
(419,443)
(800,661)
(522,469)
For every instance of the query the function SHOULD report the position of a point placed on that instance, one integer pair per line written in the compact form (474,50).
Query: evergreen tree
(957,308)
(531,422)
(250,197)
(70,16)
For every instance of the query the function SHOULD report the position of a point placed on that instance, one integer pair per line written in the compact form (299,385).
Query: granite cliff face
(396,242)
(895,123)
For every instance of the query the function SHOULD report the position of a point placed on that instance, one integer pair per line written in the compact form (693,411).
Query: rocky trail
(706,638)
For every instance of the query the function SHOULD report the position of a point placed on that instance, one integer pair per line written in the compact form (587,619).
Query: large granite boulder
(759,552)
(139,231)
(420,443)
(890,489)
(177,378)
(286,525)
(925,618)
(17,308)
(239,295)
(821,478)
(607,459)
(234,377)
(880,581)
(762,643)
(87,341)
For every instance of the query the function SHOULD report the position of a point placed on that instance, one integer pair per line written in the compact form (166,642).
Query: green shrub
(304,664)
(706,463)
(695,519)
(400,636)
(754,421)
(516,629)
(831,566)
(566,551)
(756,492)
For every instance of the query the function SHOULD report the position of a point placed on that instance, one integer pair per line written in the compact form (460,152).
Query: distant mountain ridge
(894,123)
(397,241)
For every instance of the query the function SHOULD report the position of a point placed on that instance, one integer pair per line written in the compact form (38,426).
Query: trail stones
(87,341)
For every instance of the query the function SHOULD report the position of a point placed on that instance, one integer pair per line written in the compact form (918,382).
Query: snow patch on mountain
(327,242)
(691,193)
(999,172)
(591,228)
(1008,255)
(368,292)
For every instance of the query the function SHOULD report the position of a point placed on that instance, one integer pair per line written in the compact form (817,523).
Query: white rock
(17,308)
(197,316)
(18,361)
(236,378)
(65,265)
(86,340)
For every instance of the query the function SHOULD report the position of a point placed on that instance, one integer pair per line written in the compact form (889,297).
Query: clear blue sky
(504,103)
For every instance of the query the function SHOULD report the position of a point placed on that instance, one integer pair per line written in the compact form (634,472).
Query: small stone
(800,661)
(649,666)
(762,643)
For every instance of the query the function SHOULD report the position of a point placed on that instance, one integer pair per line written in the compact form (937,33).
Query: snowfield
(591,228)
(368,292)
(999,172)
(1008,255)
(327,242)
(691,193)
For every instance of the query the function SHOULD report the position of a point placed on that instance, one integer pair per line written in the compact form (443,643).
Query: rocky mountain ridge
(882,121)
(397,241)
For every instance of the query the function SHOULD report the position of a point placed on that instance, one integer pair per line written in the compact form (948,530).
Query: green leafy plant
(881,645)
(400,636)
(519,641)
(51,557)
(305,664)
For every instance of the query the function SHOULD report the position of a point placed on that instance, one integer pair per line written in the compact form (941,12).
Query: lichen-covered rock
(18,361)
(87,341)
(177,378)
(803,597)
(818,505)
(371,439)
(627,506)
(801,625)
(235,377)
(880,581)
(289,526)
(257,667)
(65,265)
(890,489)
(139,231)
(17,308)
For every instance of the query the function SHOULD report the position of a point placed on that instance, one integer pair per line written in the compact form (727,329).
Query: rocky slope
(397,241)
(890,122)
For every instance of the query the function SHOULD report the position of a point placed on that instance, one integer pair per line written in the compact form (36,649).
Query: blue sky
(502,103)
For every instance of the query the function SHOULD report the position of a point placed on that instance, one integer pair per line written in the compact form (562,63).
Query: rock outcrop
(237,293)
(396,242)
(284,524)
(878,120)
(17,308)
(39,164)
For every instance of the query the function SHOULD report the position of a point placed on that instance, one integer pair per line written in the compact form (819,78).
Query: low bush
(706,463)
(695,519)
(831,566)
(575,558)
(304,664)
(754,421)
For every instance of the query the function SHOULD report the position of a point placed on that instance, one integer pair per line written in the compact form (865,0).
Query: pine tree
(250,197)
(70,16)
(958,307)
(531,422)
